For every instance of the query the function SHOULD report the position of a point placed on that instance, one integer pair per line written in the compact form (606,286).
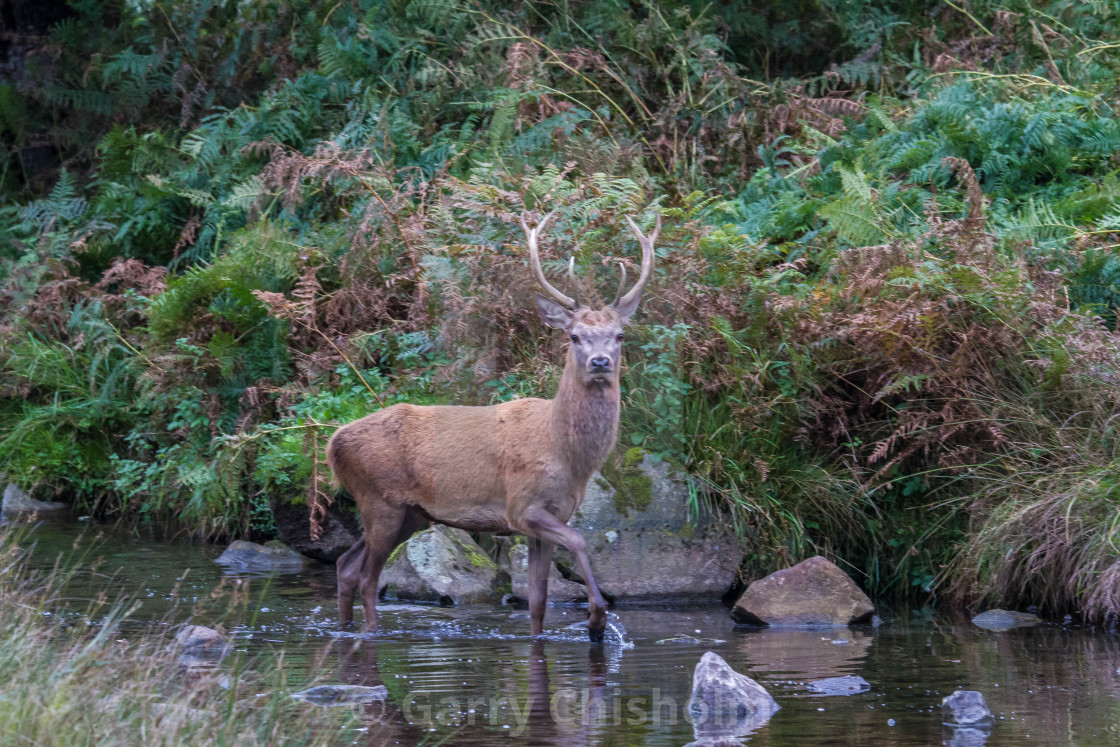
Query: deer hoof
(596,625)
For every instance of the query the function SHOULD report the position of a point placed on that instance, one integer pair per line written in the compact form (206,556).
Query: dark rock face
(442,565)
(1000,620)
(272,556)
(846,685)
(16,503)
(725,704)
(340,695)
(812,593)
(965,708)
(643,544)
(340,530)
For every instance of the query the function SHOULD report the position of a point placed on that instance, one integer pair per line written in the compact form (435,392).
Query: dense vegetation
(883,321)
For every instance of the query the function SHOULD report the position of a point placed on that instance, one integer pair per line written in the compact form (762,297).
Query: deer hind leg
(540,562)
(544,526)
(387,527)
(351,568)
(382,522)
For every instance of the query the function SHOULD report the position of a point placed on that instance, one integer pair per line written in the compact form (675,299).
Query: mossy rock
(643,541)
(441,564)
(633,488)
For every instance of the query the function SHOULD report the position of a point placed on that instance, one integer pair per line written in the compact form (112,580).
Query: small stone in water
(335,695)
(965,707)
(847,685)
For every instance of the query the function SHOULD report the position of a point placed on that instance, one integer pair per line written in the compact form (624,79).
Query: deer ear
(552,313)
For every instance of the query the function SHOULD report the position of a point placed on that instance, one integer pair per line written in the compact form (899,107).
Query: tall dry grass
(76,677)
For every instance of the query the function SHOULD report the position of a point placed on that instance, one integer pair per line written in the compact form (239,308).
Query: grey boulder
(965,708)
(1000,620)
(515,561)
(272,556)
(813,593)
(442,565)
(201,647)
(16,502)
(725,704)
(643,544)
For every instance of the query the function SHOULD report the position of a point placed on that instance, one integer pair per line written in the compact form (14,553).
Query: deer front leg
(540,563)
(542,525)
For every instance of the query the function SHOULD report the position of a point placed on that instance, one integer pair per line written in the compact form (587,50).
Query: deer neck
(585,421)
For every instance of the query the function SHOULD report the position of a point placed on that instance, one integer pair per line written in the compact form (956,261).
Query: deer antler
(535,263)
(575,281)
(631,298)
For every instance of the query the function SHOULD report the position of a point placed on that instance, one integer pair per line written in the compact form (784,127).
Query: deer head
(595,335)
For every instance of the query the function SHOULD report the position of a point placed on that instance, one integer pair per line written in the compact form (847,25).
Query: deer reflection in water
(535,715)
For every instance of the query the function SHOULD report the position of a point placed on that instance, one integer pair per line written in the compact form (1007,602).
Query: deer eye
(619,337)
(575,338)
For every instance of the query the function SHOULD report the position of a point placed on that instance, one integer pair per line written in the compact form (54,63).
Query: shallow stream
(473,677)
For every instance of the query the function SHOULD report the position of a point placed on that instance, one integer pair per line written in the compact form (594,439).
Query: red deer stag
(519,466)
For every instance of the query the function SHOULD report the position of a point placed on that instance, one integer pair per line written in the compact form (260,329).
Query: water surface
(472,676)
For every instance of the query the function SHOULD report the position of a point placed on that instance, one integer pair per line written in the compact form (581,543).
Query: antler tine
(647,263)
(621,284)
(575,281)
(535,262)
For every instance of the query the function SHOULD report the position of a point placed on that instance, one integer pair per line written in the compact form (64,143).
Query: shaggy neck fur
(585,420)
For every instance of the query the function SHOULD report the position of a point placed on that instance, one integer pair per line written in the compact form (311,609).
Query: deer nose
(600,363)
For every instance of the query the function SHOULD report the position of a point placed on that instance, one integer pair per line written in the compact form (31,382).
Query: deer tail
(332,463)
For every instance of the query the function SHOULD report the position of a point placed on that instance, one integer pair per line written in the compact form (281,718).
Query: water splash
(618,634)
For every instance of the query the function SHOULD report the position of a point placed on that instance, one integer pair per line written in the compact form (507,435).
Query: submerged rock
(965,708)
(17,502)
(725,704)
(847,685)
(442,565)
(339,695)
(999,620)
(515,561)
(271,556)
(642,541)
(812,593)
(200,646)
(688,640)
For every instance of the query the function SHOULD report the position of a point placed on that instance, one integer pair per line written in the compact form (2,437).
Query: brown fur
(475,468)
